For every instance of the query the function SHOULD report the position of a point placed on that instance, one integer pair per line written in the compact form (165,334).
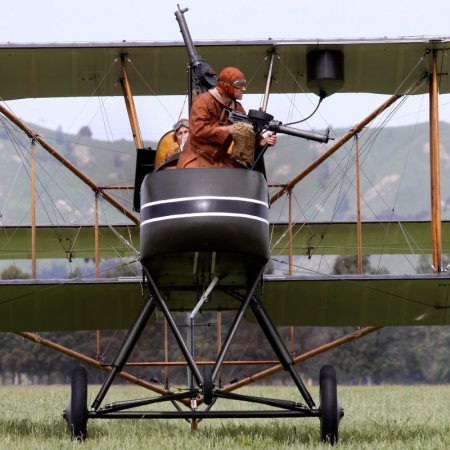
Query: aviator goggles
(179,124)
(238,84)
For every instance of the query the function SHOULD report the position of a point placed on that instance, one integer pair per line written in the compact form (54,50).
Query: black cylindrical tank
(325,71)
(204,210)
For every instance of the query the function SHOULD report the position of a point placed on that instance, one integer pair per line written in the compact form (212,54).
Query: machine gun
(262,121)
(204,77)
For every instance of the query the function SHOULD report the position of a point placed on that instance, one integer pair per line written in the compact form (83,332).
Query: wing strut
(358,205)
(269,82)
(261,152)
(33,209)
(129,103)
(34,337)
(435,169)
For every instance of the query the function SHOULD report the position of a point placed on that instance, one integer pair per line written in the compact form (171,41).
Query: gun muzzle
(194,57)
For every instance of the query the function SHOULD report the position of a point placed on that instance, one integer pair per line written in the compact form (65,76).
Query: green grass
(380,417)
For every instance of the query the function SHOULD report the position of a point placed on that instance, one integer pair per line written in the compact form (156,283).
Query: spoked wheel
(330,411)
(76,414)
(207,385)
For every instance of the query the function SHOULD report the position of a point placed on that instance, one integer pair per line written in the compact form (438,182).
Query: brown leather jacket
(208,142)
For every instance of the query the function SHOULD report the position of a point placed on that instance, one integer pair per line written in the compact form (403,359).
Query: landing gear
(76,414)
(330,411)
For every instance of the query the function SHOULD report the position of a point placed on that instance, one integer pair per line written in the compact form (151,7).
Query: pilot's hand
(270,139)
(229,128)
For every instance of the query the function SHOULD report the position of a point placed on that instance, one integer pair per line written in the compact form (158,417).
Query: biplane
(206,235)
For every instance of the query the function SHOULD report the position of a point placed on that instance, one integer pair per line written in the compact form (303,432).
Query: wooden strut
(127,187)
(91,361)
(33,209)
(291,250)
(97,267)
(435,169)
(33,135)
(356,129)
(317,351)
(358,206)
(129,103)
(228,388)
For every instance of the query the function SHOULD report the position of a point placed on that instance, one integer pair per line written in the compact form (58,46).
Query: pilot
(170,146)
(212,137)
(180,133)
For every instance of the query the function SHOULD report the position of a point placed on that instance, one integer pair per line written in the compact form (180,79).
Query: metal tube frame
(285,408)
(192,396)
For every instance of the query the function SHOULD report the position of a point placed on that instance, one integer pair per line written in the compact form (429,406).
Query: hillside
(394,176)
(61,196)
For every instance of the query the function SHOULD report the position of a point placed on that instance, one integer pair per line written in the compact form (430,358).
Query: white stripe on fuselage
(185,216)
(204,197)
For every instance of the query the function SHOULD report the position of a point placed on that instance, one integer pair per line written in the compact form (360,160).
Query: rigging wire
(124,241)
(13,184)
(403,82)
(297,217)
(296,80)
(151,91)
(105,119)
(392,207)
(397,195)
(22,157)
(98,86)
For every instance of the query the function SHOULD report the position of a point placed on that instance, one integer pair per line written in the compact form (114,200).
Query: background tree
(13,272)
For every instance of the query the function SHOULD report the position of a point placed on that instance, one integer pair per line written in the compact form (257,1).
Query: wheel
(207,385)
(330,411)
(76,414)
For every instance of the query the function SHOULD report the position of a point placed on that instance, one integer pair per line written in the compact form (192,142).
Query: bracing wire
(402,84)
(44,188)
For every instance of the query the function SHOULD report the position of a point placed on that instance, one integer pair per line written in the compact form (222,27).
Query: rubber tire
(208,385)
(76,414)
(330,411)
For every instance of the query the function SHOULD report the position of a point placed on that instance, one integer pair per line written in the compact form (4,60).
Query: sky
(46,21)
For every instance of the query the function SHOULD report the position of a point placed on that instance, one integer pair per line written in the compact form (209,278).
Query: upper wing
(384,66)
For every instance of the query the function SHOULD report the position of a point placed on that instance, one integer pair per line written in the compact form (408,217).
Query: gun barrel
(278,128)
(194,57)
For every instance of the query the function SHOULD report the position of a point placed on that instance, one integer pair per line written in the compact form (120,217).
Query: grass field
(378,417)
